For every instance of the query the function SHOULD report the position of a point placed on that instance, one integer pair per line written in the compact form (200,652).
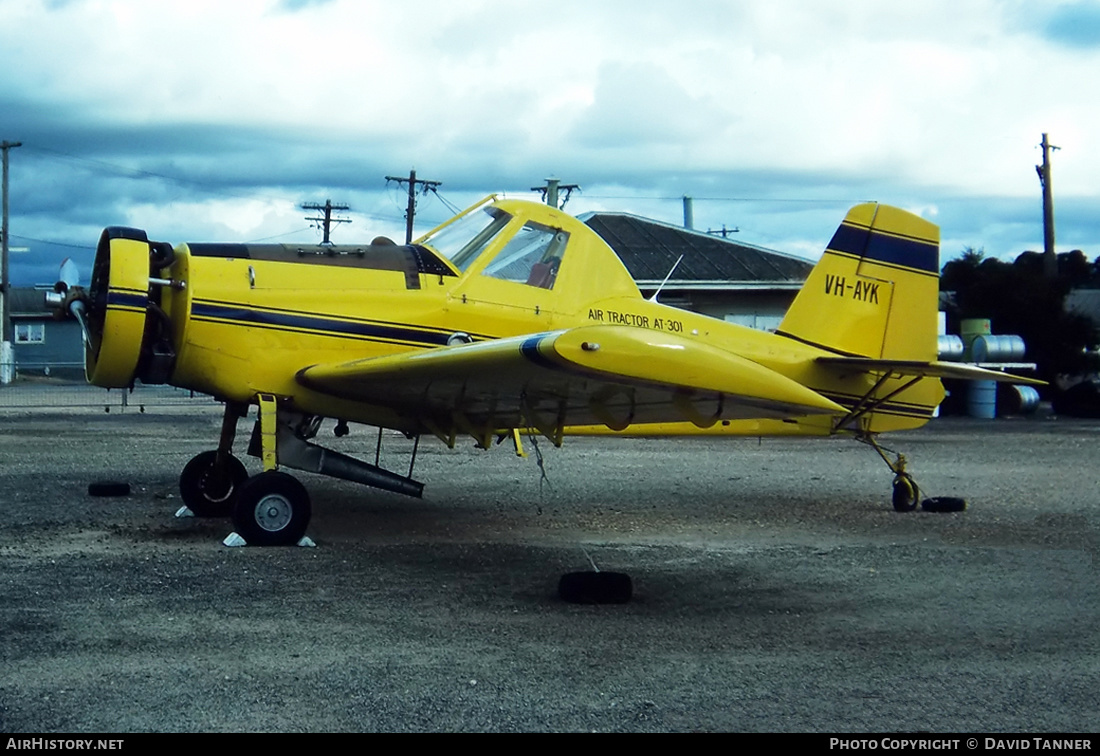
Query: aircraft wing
(602,374)
(934,369)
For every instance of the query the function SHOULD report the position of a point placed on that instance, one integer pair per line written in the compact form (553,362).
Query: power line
(129,172)
(278,236)
(722,199)
(452,207)
(215,189)
(53,243)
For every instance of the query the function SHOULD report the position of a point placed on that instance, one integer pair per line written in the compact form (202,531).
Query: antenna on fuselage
(670,272)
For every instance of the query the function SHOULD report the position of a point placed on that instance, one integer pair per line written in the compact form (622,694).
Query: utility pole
(724,232)
(1050,259)
(551,191)
(6,354)
(410,212)
(327,221)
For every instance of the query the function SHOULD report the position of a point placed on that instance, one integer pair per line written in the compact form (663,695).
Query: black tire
(595,588)
(210,491)
(943,504)
(906,493)
(108,488)
(272,509)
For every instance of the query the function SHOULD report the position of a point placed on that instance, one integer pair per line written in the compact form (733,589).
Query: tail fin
(875,291)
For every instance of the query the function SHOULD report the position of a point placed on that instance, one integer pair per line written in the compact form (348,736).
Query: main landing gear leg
(905,494)
(272,508)
(210,482)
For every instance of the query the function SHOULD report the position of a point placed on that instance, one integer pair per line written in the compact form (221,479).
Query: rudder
(875,291)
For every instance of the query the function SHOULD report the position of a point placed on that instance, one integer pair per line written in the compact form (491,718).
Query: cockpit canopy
(528,243)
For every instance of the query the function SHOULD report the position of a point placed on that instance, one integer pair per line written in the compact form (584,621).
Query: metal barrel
(982,399)
(949,347)
(1017,400)
(972,328)
(998,349)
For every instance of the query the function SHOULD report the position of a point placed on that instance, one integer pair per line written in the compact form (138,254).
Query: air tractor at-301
(512,318)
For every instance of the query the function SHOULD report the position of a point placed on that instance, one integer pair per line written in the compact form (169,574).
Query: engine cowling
(118,307)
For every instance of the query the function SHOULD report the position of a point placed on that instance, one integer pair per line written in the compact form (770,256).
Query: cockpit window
(464,239)
(532,256)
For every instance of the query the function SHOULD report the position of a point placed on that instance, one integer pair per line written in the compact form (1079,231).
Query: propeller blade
(69,273)
(77,310)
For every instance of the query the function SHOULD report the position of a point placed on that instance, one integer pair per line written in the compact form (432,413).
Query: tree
(1019,299)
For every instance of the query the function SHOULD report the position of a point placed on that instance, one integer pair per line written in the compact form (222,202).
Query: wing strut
(869,403)
(280,440)
(552,428)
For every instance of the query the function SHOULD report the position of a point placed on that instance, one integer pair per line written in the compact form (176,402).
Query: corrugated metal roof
(649,249)
(28,301)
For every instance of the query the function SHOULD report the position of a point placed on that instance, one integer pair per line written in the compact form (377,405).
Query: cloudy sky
(202,121)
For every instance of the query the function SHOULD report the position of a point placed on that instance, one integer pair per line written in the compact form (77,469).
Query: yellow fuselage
(244,327)
(246,319)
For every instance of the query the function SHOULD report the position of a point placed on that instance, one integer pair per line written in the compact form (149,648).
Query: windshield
(532,256)
(464,239)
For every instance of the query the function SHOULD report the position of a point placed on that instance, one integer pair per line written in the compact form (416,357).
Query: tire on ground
(595,587)
(943,504)
(108,488)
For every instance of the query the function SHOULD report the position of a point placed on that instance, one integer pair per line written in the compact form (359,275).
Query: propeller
(68,297)
(69,273)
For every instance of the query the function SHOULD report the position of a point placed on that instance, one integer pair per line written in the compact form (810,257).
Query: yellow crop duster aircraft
(511,318)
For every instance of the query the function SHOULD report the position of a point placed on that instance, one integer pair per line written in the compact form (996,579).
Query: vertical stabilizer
(875,291)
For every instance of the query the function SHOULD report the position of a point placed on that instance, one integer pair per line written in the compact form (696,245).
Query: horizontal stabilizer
(934,369)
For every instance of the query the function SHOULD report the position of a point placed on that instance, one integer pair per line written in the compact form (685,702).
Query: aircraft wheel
(272,509)
(595,587)
(905,494)
(209,490)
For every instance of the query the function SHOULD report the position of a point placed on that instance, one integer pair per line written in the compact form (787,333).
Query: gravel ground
(776,589)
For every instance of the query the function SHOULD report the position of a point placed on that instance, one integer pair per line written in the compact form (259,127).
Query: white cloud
(920,104)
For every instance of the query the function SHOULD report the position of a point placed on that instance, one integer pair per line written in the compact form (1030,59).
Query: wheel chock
(234,540)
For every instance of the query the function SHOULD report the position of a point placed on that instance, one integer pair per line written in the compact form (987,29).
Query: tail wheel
(905,494)
(272,509)
(210,489)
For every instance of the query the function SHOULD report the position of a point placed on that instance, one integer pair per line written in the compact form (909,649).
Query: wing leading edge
(609,375)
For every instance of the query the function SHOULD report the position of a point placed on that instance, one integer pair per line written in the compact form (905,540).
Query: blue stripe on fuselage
(328,326)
